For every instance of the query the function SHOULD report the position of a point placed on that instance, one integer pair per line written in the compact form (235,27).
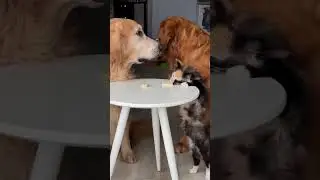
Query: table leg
(156,135)
(47,161)
(168,144)
(124,114)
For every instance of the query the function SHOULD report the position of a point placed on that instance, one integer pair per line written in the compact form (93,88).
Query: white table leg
(156,135)
(46,165)
(124,114)
(168,144)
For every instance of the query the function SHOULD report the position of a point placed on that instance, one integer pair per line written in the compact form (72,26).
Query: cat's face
(185,74)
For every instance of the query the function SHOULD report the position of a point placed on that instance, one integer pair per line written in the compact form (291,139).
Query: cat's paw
(207,173)
(194,170)
(184,84)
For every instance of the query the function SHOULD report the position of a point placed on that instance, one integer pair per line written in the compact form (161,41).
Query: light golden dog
(128,45)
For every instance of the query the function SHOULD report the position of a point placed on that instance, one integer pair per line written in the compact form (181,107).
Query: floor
(145,169)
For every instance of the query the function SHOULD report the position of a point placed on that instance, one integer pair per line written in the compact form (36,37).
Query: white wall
(161,9)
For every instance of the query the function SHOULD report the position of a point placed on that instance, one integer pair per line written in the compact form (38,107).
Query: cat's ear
(178,64)
(195,75)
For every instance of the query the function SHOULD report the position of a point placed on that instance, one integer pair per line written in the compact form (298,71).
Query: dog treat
(145,86)
(167,84)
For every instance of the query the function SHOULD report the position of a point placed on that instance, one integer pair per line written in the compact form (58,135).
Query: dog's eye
(139,33)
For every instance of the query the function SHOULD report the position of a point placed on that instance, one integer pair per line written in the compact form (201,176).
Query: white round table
(236,110)
(129,94)
(56,104)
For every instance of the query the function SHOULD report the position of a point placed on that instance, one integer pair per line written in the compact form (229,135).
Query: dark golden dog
(182,39)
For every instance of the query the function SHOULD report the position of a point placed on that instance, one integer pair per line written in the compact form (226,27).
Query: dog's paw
(207,173)
(129,157)
(194,170)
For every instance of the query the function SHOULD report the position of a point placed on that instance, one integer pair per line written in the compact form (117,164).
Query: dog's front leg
(126,150)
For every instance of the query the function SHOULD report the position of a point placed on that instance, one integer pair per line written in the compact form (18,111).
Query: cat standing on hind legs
(195,117)
(201,151)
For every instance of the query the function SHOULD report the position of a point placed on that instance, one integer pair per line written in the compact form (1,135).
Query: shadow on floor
(85,164)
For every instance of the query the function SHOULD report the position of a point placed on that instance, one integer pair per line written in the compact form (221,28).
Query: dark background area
(92,28)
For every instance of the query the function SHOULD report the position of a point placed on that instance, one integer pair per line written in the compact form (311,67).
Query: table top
(62,101)
(237,109)
(130,94)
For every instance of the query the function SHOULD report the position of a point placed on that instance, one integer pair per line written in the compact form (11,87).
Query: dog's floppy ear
(116,40)
(167,31)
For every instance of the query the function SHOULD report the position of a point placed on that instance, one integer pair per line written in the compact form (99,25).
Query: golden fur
(128,44)
(184,40)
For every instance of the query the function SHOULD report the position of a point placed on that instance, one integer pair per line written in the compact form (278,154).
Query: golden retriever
(128,45)
(182,39)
